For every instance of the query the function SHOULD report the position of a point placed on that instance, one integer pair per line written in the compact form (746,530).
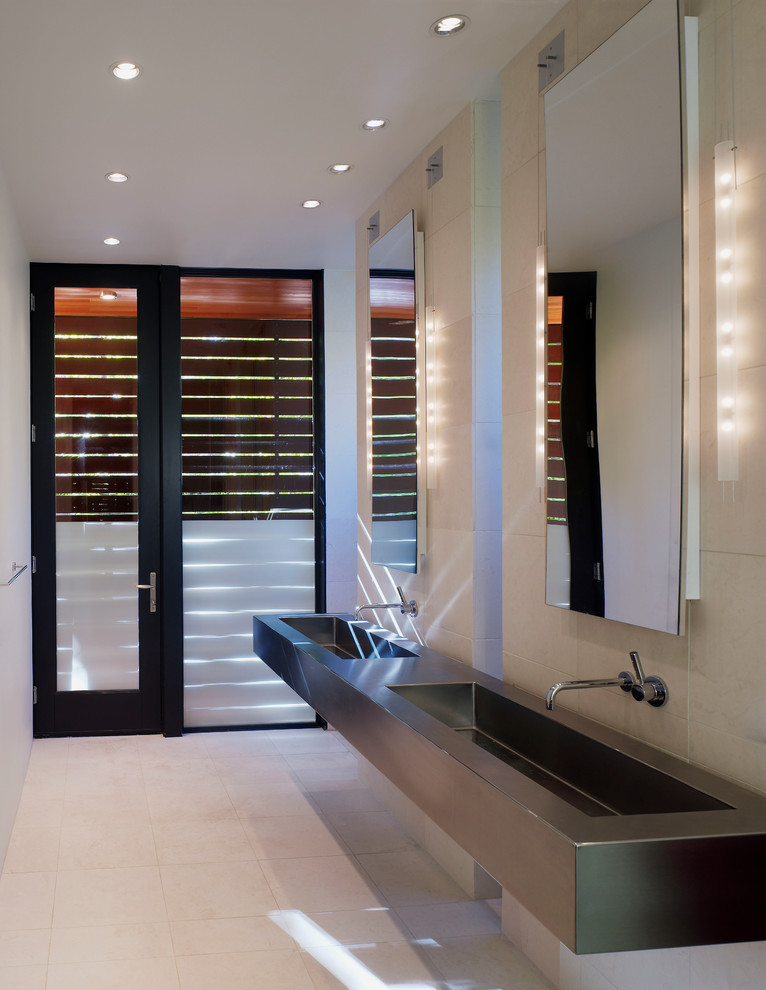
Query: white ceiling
(241,107)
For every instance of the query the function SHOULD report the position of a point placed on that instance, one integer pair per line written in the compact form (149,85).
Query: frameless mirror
(393,371)
(615,327)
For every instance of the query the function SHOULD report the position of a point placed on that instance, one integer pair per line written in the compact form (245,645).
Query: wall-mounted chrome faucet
(651,689)
(405,607)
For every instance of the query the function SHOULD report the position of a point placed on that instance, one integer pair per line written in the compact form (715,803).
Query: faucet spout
(624,681)
(405,607)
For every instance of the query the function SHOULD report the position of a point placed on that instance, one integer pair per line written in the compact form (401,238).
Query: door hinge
(34,695)
(34,433)
(34,565)
(590,439)
(589,310)
(32,301)
(597,571)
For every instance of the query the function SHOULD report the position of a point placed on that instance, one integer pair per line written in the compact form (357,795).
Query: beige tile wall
(717,713)
(717,709)
(443,587)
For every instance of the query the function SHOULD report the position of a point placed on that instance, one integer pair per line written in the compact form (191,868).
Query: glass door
(96,529)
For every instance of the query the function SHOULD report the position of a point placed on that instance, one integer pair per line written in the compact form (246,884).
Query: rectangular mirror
(614,196)
(394,390)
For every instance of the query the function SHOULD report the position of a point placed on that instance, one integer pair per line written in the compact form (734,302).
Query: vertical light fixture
(540,323)
(691,65)
(430,356)
(726,309)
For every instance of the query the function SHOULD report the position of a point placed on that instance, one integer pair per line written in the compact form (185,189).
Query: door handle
(152,589)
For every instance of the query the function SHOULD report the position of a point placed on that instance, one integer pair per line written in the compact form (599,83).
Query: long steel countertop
(626,881)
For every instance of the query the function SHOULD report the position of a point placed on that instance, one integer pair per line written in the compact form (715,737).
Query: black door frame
(91,712)
(162,403)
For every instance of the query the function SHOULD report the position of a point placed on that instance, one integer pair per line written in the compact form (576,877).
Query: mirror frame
(418,254)
(685,484)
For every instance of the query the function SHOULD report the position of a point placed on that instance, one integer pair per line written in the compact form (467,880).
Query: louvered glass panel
(96,456)
(248,489)
(393,355)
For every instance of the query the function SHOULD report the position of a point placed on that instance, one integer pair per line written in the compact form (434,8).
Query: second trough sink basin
(347,640)
(590,776)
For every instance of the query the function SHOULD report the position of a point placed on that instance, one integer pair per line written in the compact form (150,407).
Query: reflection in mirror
(615,327)
(393,353)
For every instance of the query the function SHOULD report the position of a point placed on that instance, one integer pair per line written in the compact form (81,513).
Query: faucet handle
(636,659)
(652,689)
(408,608)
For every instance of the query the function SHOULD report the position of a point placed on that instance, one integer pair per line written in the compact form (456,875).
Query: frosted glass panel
(96,606)
(233,569)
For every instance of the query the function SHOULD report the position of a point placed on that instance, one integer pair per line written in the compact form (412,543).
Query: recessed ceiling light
(447,26)
(339,168)
(311,204)
(107,295)
(374,124)
(125,70)
(116,177)
(111,241)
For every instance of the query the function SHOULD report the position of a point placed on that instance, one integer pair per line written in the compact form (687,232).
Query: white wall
(340,438)
(15,620)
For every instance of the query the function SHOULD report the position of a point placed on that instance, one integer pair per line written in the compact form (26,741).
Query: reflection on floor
(230,860)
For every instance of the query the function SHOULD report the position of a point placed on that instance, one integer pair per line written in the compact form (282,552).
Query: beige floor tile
(32,850)
(325,883)
(102,943)
(372,832)
(24,948)
(334,802)
(224,935)
(253,769)
(47,775)
(161,749)
(37,808)
(409,878)
(292,836)
(122,974)
(192,771)
(484,962)
(202,842)
(91,779)
(123,807)
(104,845)
(451,920)
(378,924)
(23,978)
(216,890)
(269,970)
(309,741)
(269,799)
(387,964)
(342,762)
(226,745)
(201,800)
(26,900)
(105,749)
(121,896)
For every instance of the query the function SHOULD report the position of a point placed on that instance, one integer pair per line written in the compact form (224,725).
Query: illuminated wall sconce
(540,323)
(430,395)
(726,309)
(368,406)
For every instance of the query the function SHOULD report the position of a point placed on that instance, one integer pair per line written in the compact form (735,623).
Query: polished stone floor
(230,861)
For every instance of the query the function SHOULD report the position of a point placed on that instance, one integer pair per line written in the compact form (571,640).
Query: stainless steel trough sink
(612,844)
(594,778)
(347,640)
